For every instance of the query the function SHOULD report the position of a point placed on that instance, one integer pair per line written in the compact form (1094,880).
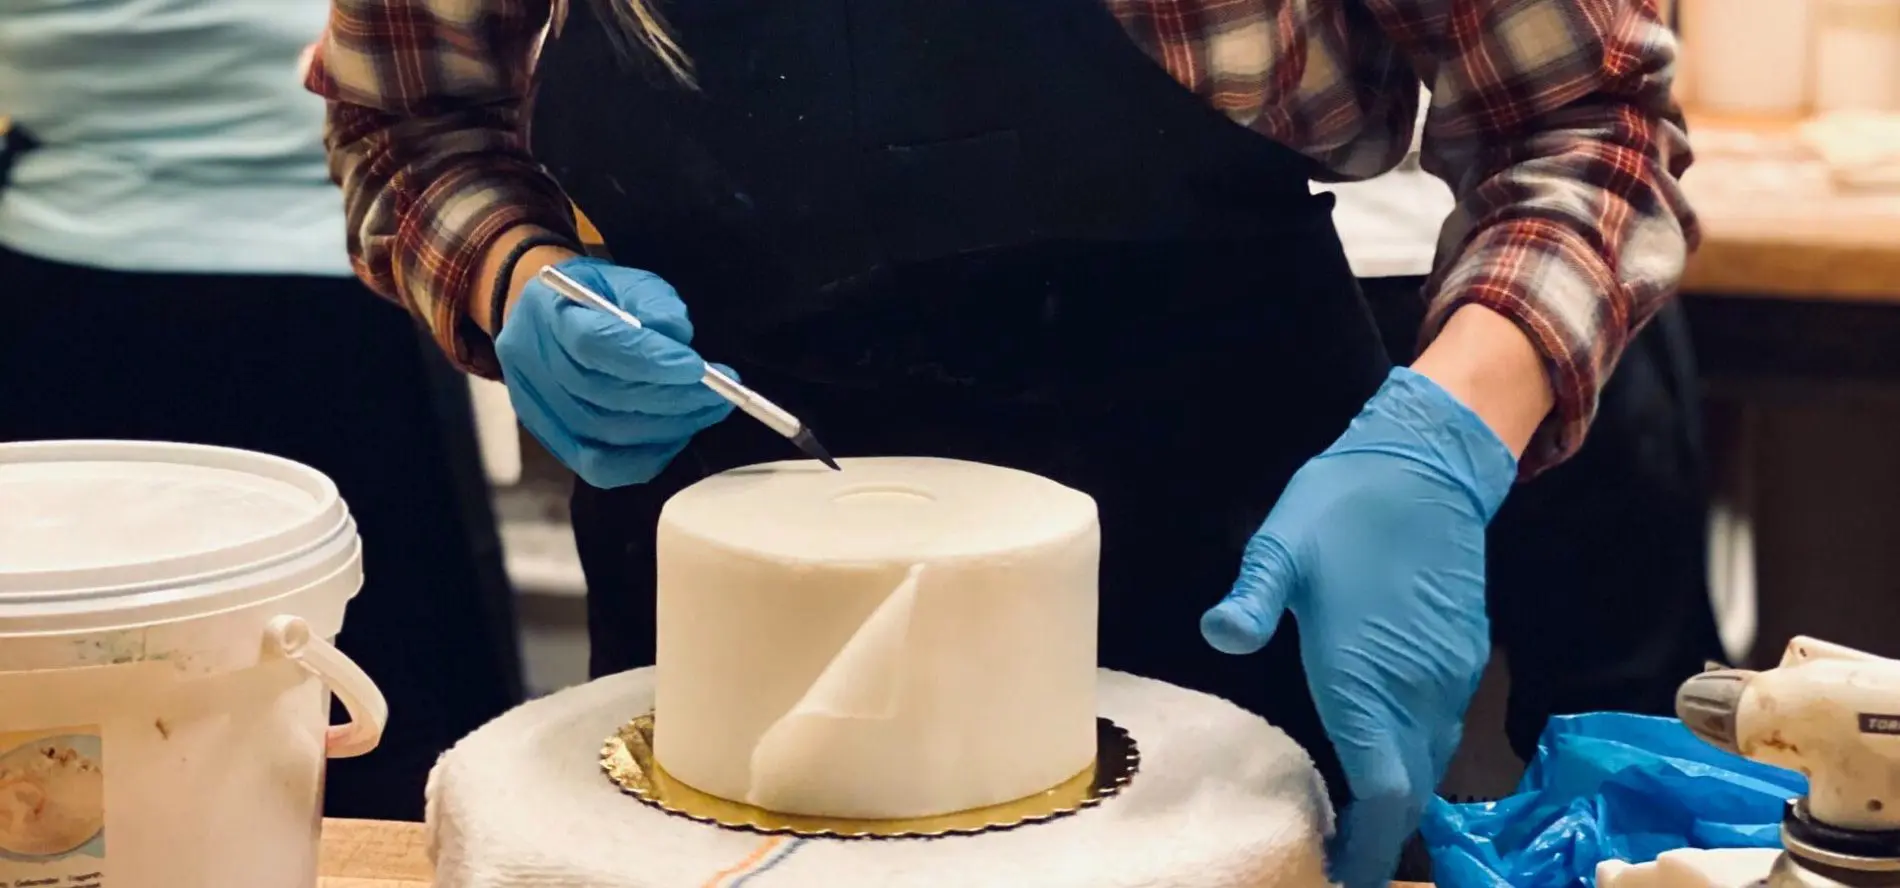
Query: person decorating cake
(1070,237)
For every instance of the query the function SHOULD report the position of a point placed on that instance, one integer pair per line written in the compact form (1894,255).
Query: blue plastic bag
(1607,786)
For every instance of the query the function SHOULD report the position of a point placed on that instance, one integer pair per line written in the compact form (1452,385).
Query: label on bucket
(52,809)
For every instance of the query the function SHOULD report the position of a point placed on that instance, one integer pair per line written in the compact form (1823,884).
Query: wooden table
(373,854)
(1794,291)
(1775,225)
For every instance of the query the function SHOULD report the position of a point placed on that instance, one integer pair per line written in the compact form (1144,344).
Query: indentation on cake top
(906,509)
(884,494)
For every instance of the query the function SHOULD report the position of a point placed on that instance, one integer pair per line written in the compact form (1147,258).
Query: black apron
(983,229)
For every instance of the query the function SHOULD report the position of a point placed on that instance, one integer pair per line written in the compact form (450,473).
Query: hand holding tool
(754,404)
(614,401)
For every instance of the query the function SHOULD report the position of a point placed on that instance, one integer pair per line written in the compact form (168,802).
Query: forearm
(434,163)
(1481,358)
(428,202)
(1574,246)
(1571,224)
(524,270)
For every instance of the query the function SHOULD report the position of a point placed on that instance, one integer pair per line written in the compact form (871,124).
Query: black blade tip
(808,442)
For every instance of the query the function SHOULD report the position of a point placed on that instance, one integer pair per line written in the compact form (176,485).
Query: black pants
(1597,576)
(320,371)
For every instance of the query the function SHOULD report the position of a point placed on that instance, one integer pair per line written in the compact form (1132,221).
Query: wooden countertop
(375,854)
(1775,225)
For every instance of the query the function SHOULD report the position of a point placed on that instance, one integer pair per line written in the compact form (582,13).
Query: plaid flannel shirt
(1552,120)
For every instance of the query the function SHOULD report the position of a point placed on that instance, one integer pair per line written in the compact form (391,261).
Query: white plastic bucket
(166,669)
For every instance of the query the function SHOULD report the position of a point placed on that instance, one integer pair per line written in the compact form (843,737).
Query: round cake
(904,638)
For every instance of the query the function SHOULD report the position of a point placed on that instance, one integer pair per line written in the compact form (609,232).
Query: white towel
(1223,800)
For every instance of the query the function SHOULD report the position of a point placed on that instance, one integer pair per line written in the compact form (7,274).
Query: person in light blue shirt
(173,136)
(172,267)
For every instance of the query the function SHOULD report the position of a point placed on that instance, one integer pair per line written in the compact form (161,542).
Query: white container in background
(496,429)
(1749,56)
(1857,55)
(165,665)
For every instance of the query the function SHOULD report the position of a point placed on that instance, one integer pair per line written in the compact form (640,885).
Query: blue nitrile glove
(1377,548)
(612,402)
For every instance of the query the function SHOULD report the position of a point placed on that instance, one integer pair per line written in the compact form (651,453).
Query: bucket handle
(369,712)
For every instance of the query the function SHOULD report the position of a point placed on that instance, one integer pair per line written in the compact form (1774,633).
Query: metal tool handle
(774,416)
(578,292)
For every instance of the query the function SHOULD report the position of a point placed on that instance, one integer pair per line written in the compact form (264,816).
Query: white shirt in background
(1390,224)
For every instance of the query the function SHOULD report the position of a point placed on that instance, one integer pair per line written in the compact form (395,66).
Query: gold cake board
(627,757)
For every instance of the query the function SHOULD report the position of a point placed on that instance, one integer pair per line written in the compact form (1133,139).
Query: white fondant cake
(904,638)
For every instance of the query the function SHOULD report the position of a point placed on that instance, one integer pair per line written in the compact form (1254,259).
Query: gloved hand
(1377,548)
(611,402)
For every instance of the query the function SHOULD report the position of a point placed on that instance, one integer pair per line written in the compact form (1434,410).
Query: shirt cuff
(1547,280)
(445,261)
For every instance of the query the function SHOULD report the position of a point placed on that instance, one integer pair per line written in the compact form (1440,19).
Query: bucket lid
(94,526)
